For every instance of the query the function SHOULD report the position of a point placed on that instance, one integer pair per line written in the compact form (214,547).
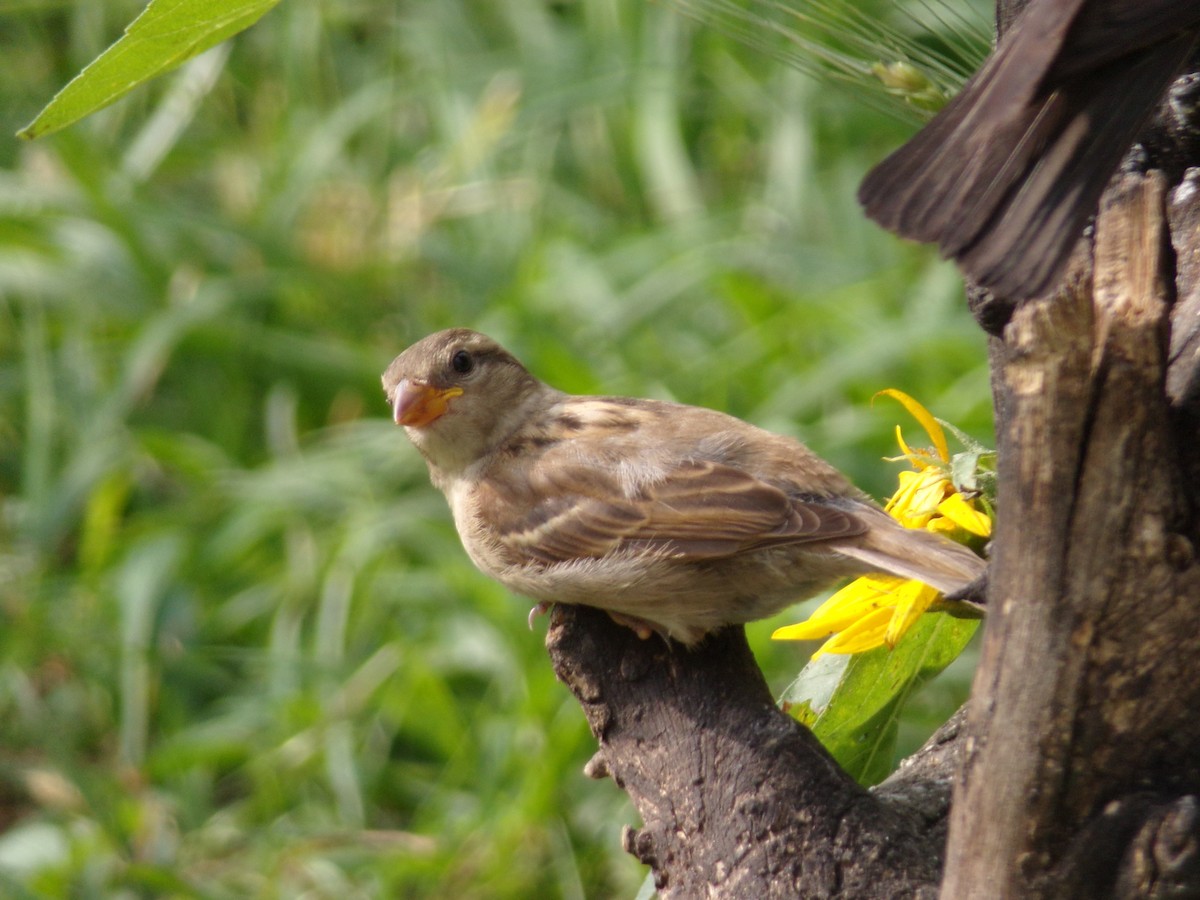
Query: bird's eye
(462,362)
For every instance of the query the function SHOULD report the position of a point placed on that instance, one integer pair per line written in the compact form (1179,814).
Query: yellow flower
(877,610)
(928,497)
(867,613)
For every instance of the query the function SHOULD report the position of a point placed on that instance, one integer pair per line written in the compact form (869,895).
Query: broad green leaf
(167,33)
(857,721)
(806,698)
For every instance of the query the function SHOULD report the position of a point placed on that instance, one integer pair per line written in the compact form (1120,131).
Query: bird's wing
(696,509)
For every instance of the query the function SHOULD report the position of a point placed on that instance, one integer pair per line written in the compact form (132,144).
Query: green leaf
(167,33)
(857,722)
(647,891)
(806,698)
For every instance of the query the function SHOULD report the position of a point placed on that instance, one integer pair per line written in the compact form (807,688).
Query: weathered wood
(737,799)
(1089,671)
(1183,369)
(1162,858)
(1082,764)
(1077,768)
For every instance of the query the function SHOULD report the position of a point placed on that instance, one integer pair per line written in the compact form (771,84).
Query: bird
(1005,177)
(674,519)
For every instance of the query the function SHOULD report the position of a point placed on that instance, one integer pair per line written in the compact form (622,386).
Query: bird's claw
(640,627)
(539,609)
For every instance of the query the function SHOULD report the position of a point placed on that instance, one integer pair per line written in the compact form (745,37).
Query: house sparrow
(1005,177)
(671,518)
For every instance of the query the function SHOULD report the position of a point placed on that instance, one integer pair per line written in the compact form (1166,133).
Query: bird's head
(457,393)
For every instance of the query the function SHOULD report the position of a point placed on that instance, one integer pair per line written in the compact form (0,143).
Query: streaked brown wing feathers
(701,510)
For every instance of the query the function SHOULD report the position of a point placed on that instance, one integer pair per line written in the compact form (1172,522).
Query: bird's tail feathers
(922,555)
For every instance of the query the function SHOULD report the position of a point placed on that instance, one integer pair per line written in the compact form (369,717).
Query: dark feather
(1006,176)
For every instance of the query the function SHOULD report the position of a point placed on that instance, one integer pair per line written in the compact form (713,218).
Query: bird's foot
(539,609)
(640,627)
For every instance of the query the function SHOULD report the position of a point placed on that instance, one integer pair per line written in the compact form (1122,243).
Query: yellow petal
(913,599)
(902,501)
(916,502)
(807,630)
(918,458)
(927,421)
(859,598)
(964,515)
(942,525)
(865,634)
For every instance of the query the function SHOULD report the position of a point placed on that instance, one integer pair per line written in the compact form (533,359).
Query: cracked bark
(1077,770)
(736,798)
(1082,734)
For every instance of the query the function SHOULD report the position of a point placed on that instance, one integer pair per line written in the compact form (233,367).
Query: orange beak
(417,404)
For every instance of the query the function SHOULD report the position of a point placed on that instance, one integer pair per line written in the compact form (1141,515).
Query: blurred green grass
(241,651)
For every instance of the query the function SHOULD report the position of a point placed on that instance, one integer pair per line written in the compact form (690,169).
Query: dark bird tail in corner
(1005,177)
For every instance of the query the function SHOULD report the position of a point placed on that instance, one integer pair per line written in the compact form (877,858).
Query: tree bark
(737,798)
(1081,710)
(1084,759)
(1076,770)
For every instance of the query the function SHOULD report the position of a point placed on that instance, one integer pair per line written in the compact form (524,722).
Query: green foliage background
(241,652)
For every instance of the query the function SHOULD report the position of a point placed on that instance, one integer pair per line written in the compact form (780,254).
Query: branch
(738,799)
(1088,674)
